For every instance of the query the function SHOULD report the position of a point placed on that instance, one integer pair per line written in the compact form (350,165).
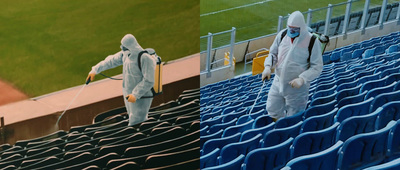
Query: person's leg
(275,103)
(296,103)
(140,110)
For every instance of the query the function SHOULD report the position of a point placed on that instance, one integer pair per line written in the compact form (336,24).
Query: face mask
(293,32)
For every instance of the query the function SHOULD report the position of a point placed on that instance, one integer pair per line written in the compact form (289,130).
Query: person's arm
(273,52)
(111,61)
(316,64)
(148,68)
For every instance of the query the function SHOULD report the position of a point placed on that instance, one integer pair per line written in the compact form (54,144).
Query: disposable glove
(131,98)
(90,77)
(297,83)
(266,73)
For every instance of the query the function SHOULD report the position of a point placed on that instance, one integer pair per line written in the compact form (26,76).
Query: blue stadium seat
(392,78)
(335,56)
(346,56)
(318,122)
(326,159)
(204,131)
(346,85)
(368,53)
(209,159)
(234,164)
(262,121)
(392,165)
(210,145)
(323,100)
(356,109)
(210,122)
(357,53)
(364,150)
(348,92)
(394,143)
(326,92)
(233,150)
(319,109)
(313,142)
(258,111)
(273,158)
(236,114)
(351,99)
(277,136)
(215,135)
(390,111)
(380,90)
(379,50)
(373,84)
(289,121)
(325,85)
(390,71)
(248,134)
(243,119)
(222,126)
(357,125)
(384,98)
(392,48)
(369,78)
(237,128)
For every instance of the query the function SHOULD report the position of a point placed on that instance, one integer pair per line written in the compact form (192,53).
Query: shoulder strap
(310,46)
(139,57)
(283,34)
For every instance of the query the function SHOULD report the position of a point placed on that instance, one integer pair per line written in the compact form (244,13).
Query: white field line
(238,7)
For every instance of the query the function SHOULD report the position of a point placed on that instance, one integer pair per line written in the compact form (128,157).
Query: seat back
(277,136)
(313,142)
(273,158)
(364,150)
(233,150)
(356,109)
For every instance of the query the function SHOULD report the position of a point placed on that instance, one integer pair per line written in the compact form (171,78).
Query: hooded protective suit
(135,82)
(290,60)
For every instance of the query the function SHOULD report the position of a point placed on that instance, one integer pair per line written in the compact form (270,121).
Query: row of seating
(352,97)
(169,139)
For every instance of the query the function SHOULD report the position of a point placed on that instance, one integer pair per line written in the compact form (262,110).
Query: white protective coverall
(290,61)
(135,82)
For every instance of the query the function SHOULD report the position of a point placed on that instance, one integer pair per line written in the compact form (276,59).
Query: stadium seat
(215,135)
(390,111)
(373,84)
(233,150)
(323,100)
(356,125)
(368,53)
(356,109)
(210,145)
(262,121)
(237,128)
(313,142)
(392,48)
(392,165)
(289,121)
(222,126)
(319,109)
(318,122)
(384,98)
(364,150)
(380,90)
(274,157)
(209,159)
(326,159)
(277,136)
(160,160)
(234,164)
(357,53)
(236,114)
(326,92)
(248,134)
(348,92)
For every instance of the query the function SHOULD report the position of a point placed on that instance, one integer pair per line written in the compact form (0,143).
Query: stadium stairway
(169,139)
(351,119)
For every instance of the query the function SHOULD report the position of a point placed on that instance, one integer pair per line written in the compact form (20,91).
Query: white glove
(266,73)
(297,82)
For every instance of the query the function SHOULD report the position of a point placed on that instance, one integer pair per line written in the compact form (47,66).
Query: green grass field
(47,46)
(261,16)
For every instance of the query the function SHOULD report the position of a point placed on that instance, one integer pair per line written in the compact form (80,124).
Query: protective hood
(296,19)
(129,41)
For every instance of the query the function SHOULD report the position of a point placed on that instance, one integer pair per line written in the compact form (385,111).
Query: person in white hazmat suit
(294,67)
(135,83)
